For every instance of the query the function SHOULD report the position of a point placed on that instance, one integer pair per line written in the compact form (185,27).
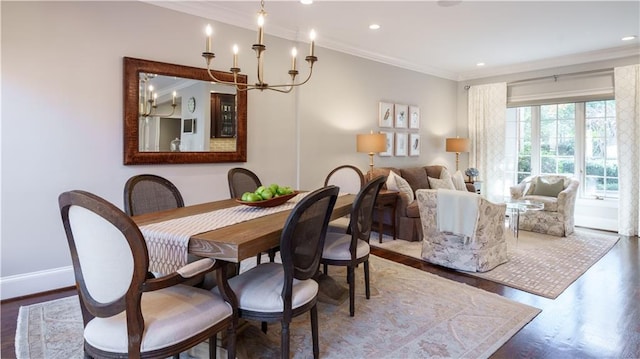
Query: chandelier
(260,48)
(149,98)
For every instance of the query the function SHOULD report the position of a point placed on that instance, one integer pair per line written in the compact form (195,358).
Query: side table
(386,199)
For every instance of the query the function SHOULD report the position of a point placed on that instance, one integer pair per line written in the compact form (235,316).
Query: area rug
(411,314)
(540,264)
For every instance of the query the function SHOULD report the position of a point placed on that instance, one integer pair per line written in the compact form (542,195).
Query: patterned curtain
(487,116)
(627,92)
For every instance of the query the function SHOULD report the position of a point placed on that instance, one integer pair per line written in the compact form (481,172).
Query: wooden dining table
(238,241)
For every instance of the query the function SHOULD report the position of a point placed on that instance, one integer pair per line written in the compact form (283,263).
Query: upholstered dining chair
(242,180)
(150,193)
(350,180)
(126,314)
(352,248)
(280,291)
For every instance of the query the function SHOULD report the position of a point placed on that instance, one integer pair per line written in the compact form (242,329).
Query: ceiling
(447,38)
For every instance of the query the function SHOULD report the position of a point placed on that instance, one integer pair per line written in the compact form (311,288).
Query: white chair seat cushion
(336,247)
(185,310)
(260,289)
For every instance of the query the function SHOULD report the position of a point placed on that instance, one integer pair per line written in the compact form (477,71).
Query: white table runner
(168,241)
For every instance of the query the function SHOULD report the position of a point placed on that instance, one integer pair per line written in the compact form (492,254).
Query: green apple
(281,191)
(245,196)
(260,189)
(266,194)
(253,197)
(274,188)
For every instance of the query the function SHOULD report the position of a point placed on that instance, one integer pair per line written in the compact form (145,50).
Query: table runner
(168,241)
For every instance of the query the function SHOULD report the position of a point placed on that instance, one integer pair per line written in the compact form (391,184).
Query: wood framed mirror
(172,123)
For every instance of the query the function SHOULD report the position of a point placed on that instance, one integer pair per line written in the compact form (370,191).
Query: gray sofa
(408,225)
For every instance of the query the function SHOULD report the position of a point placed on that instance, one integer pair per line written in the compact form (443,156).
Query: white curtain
(487,115)
(627,94)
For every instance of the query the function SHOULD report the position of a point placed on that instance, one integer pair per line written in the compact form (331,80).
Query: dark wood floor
(598,316)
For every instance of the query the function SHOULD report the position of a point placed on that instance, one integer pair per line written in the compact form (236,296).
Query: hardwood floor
(598,316)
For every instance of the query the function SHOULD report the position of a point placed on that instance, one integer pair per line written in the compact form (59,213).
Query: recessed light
(628,38)
(480,64)
(306,2)
(374,26)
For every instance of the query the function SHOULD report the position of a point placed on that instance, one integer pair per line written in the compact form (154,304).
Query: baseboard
(36,282)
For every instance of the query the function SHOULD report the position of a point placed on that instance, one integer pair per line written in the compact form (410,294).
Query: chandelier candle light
(149,104)
(260,48)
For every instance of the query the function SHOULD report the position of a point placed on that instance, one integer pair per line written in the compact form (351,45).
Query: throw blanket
(168,241)
(457,212)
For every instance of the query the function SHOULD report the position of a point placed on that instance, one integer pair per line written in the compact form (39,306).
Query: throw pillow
(397,183)
(543,188)
(458,181)
(437,183)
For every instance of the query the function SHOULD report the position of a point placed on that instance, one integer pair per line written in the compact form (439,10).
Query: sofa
(557,217)
(483,249)
(408,226)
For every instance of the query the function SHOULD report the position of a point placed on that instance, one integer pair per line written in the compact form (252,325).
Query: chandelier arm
(150,112)
(292,84)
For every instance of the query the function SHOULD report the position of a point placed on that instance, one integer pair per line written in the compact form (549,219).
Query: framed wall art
(401,144)
(389,151)
(414,144)
(414,117)
(401,115)
(385,115)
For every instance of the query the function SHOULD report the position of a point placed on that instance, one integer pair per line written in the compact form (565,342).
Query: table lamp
(371,143)
(458,145)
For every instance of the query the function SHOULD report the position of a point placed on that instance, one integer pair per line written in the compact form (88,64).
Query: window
(575,139)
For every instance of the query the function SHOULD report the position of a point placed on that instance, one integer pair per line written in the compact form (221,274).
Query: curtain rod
(555,77)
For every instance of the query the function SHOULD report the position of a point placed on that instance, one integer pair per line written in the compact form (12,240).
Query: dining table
(238,241)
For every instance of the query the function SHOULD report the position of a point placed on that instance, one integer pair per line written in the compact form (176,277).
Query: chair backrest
(349,178)
(100,236)
(361,218)
(150,193)
(242,180)
(304,233)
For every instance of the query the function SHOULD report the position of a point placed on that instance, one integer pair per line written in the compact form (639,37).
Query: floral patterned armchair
(557,217)
(483,252)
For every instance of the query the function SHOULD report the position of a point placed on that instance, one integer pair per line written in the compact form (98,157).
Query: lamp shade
(458,145)
(371,142)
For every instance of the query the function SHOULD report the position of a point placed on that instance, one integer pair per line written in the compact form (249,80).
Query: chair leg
(367,286)
(352,291)
(272,255)
(326,269)
(314,331)
(264,327)
(284,346)
(259,258)
(213,343)
(231,341)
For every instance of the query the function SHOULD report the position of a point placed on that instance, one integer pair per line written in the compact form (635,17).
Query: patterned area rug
(411,314)
(539,264)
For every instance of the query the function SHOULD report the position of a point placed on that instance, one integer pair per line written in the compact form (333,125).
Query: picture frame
(414,117)
(401,115)
(385,115)
(389,151)
(414,144)
(401,144)
(189,125)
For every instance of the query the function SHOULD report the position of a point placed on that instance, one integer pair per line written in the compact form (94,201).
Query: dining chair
(150,193)
(280,291)
(126,314)
(242,180)
(350,180)
(352,248)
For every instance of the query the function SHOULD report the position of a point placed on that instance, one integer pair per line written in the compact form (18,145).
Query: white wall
(62,118)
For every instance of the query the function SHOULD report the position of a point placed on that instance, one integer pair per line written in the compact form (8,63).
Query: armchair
(481,252)
(557,217)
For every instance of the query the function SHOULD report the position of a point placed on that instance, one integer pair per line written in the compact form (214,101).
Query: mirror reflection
(185,115)
(175,114)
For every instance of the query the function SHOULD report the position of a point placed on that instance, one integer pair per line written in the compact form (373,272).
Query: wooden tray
(275,201)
